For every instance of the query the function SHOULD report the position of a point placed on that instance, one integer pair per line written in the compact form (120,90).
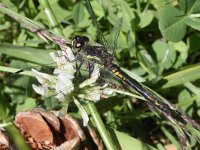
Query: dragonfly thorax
(96,54)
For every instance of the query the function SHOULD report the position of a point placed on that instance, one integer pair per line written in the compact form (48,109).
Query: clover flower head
(61,82)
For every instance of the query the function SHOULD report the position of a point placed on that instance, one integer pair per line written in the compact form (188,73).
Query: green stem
(127,93)
(14,70)
(17,138)
(100,126)
(51,17)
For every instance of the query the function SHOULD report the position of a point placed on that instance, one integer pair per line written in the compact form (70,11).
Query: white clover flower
(93,93)
(64,85)
(42,90)
(108,91)
(61,83)
(46,82)
(65,73)
(43,77)
(60,97)
(83,112)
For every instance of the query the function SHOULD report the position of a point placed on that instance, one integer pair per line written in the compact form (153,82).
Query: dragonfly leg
(151,106)
(90,68)
(78,67)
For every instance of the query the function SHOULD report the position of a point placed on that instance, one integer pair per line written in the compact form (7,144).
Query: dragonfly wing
(115,34)
(94,19)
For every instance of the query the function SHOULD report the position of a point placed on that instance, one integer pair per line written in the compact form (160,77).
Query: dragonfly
(101,55)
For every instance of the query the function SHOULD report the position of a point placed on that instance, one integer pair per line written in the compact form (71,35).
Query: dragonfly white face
(79,42)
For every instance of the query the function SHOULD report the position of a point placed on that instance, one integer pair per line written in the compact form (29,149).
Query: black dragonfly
(106,59)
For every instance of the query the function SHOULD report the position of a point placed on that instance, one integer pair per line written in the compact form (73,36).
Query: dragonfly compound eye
(80,41)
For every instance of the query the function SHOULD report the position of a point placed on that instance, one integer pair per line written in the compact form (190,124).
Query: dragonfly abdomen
(136,86)
(152,100)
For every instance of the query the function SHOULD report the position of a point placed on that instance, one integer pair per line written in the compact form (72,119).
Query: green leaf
(68,31)
(189,7)
(165,55)
(193,22)
(127,14)
(57,9)
(28,104)
(80,16)
(14,70)
(185,102)
(172,20)
(112,18)
(158,4)
(172,24)
(5,26)
(9,4)
(128,143)
(146,18)
(190,73)
(51,103)
(182,49)
(98,9)
(148,61)
(131,43)
(38,56)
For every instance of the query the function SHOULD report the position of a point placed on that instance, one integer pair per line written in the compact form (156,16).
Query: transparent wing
(115,34)
(94,19)
(111,45)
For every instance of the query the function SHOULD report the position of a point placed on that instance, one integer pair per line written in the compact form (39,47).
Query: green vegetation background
(158,46)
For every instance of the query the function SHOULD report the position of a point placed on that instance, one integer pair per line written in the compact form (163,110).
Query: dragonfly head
(79,41)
